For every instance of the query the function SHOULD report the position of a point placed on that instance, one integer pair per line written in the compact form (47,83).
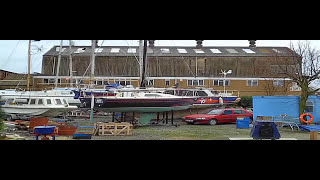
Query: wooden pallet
(113,129)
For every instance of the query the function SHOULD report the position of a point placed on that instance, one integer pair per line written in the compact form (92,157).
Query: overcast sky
(14,53)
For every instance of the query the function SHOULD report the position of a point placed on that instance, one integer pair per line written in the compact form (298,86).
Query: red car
(215,116)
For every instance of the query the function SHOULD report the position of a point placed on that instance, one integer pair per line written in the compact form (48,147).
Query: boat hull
(37,111)
(23,111)
(144,109)
(202,101)
(138,104)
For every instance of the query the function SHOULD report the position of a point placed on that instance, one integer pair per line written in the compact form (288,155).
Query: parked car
(216,116)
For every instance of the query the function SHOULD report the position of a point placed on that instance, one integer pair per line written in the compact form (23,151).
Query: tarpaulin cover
(310,127)
(276,106)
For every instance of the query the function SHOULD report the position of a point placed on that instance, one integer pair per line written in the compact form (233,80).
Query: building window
(150,82)
(80,50)
(123,82)
(199,82)
(167,82)
(249,51)
(58,49)
(115,50)
(165,50)
(278,83)
(51,81)
(215,51)
(220,82)
(276,50)
(132,50)
(98,50)
(252,83)
(198,51)
(232,51)
(295,87)
(149,50)
(98,82)
(309,107)
(182,51)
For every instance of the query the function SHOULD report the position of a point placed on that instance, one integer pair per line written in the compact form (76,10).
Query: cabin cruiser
(68,95)
(36,106)
(205,97)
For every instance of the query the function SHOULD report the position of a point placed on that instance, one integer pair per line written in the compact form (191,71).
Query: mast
(70,64)
(58,65)
(92,77)
(92,62)
(29,66)
(143,62)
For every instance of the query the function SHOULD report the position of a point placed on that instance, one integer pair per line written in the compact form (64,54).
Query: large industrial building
(252,69)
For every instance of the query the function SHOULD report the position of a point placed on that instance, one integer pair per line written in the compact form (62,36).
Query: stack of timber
(113,129)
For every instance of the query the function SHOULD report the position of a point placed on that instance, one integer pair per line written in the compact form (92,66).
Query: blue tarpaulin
(310,127)
(275,106)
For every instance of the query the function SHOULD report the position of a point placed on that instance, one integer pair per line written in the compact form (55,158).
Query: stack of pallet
(113,129)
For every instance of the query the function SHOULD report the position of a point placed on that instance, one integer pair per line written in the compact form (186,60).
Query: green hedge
(245,102)
(2,118)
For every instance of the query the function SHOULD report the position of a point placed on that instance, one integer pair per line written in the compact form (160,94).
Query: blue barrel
(243,122)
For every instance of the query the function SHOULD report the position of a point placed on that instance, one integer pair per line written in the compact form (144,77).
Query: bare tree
(275,85)
(302,66)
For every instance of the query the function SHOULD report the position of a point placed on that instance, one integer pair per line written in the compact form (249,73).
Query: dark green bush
(2,118)
(245,102)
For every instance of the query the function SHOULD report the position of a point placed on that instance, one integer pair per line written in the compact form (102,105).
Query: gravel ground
(180,131)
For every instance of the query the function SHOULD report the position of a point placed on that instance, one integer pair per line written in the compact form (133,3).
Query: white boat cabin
(37,101)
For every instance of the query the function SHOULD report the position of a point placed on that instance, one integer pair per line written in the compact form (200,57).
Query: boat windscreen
(201,93)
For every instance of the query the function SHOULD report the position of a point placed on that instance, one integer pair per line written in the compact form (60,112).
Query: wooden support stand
(313,135)
(113,129)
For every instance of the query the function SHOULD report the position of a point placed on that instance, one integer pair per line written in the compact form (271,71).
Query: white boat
(206,97)
(36,106)
(68,95)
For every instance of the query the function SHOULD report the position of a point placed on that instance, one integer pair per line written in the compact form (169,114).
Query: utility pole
(70,63)
(29,66)
(58,65)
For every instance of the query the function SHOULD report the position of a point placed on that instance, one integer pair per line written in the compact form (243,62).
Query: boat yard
(157,108)
(178,131)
